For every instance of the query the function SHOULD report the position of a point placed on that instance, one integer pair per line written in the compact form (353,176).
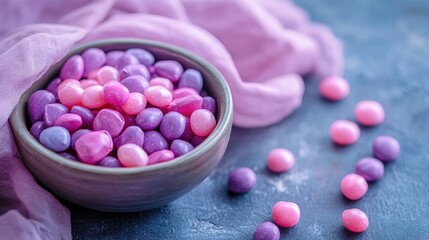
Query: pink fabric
(262,47)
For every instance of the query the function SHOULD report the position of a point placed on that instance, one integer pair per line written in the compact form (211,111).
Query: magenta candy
(144,57)
(115,93)
(161,156)
(76,135)
(132,134)
(160,81)
(149,118)
(187,135)
(70,95)
(134,70)
(73,68)
(183,92)
(169,69)
(203,122)
(93,59)
(186,105)
(131,155)
(37,128)
(286,214)
(110,120)
(113,57)
(280,160)
(172,125)
(209,103)
(52,112)
(69,121)
(135,83)
(355,220)
(110,161)
(94,146)
(126,60)
(37,102)
(180,147)
(86,115)
(191,78)
(153,142)
(107,74)
(158,96)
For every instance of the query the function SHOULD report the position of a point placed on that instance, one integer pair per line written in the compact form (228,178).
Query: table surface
(386,46)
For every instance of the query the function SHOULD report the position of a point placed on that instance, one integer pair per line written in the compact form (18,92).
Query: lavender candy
(86,115)
(68,156)
(73,68)
(110,161)
(132,134)
(267,231)
(188,134)
(169,69)
(52,112)
(370,168)
(144,57)
(133,70)
(386,148)
(55,138)
(210,104)
(180,147)
(125,60)
(241,180)
(149,118)
(153,142)
(173,125)
(93,59)
(37,128)
(37,102)
(113,57)
(53,85)
(135,83)
(191,78)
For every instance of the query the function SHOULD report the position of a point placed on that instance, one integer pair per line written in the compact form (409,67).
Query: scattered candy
(355,220)
(334,88)
(286,214)
(241,180)
(344,132)
(353,186)
(386,148)
(267,231)
(280,160)
(370,168)
(369,113)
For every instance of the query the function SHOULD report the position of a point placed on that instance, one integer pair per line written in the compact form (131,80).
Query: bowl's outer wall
(134,190)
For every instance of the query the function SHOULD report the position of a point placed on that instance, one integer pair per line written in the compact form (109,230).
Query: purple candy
(169,69)
(132,134)
(133,70)
(113,57)
(386,148)
(125,60)
(52,112)
(180,147)
(149,118)
(93,59)
(73,68)
(197,140)
(203,93)
(37,128)
(86,115)
(191,78)
(370,168)
(173,125)
(55,138)
(76,135)
(70,121)
(210,104)
(144,57)
(135,83)
(52,86)
(68,156)
(267,231)
(153,142)
(241,180)
(188,134)
(37,102)
(110,120)
(110,161)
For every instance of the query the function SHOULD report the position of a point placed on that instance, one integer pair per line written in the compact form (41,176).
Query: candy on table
(93,146)
(86,115)
(93,59)
(131,155)
(209,103)
(70,95)
(135,83)
(37,102)
(370,168)
(68,156)
(280,160)
(158,96)
(369,113)
(106,74)
(180,147)
(334,88)
(76,135)
(149,118)
(69,121)
(115,93)
(191,78)
(186,105)
(134,70)
(110,120)
(144,57)
(110,161)
(153,142)
(55,138)
(355,220)
(73,68)
(126,60)
(160,81)
(203,122)
(344,132)
(183,92)
(169,69)
(386,148)
(286,214)
(52,112)
(37,128)
(173,125)
(160,156)
(267,231)
(241,180)
(353,186)
(132,134)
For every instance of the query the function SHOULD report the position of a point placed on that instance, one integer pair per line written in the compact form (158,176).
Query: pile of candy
(353,186)
(122,109)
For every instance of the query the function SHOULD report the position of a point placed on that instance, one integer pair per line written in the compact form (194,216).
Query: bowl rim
(19,126)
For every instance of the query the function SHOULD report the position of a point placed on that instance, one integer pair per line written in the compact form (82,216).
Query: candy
(158,96)
(125,60)
(169,69)
(159,81)
(70,95)
(52,86)
(68,82)
(183,92)
(191,78)
(370,168)
(68,156)
(94,146)
(202,122)
(107,74)
(132,134)
(69,121)
(241,180)
(344,132)
(280,160)
(180,147)
(267,231)
(355,220)
(84,84)
(110,161)
(73,68)
(386,148)
(115,93)
(86,115)
(52,112)
(76,135)
(55,138)
(92,97)
(187,135)
(135,103)
(334,88)
(135,83)
(197,140)
(144,57)
(369,113)
(113,57)
(149,118)
(37,128)
(186,105)
(353,186)
(131,155)
(286,214)
(153,142)
(173,125)
(160,156)
(37,102)
(209,103)
(93,58)
(110,120)
(134,70)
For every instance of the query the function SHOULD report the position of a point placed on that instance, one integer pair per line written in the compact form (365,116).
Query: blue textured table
(386,50)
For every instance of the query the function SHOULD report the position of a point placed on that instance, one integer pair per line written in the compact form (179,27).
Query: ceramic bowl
(127,189)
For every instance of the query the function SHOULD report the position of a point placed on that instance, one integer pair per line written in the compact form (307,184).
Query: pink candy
(115,93)
(334,88)
(369,113)
(286,214)
(160,81)
(135,103)
(70,121)
(161,156)
(344,132)
(107,74)
(70,95)
(92,97)
(280,160)
(94,146)
(158,96)
(186,105)
(131,155)
(111,121)
(203,122)
(353,186)
(355,220)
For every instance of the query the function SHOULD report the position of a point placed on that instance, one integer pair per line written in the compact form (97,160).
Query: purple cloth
(262,47)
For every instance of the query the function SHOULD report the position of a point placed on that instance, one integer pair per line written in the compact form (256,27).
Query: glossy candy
(107,74)
(134,70)
(55,138)
(131,155)
(135,83)
(169,69)
(53,85)
(73,68)
(93,58)
(69,121)
(280,160)
(241,180)
(110,161)
(67,82)
(334,88)
(180,147)
(209,103)
(153,142)
(369,113)
(344,132)
(267,231)
(135,103)
(149,118)
(355,220)
(160,156)
(70,95)
(110,120)
(173,125)
(115,93)
(126,60)
(132,134)
(37,128)
(144,57)
(84,84)
(186,105)
(86,115)
(187,135)
(94,146)
(386,148)
(286,214)
(370,168)
(76,135)
(191,78)
(202,122)
(37,102)
(160,81)
(353,186)
(92,97)
(52,112)
(197,140)
(68,156)
(158,96)
(112,57)
(183,92)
